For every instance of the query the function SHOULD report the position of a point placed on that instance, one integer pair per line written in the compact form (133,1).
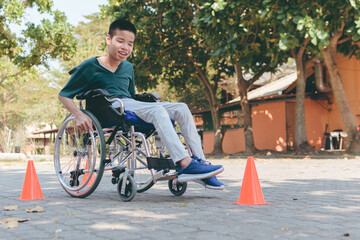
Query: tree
(237,33)
(168,47)
(26,100)
(38,44)
(341,33)
(292,22)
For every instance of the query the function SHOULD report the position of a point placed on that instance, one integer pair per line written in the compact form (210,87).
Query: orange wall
(269,124)
(208,142)
(316,118)
(233,141)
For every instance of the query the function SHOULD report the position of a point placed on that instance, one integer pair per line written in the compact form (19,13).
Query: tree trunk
(215,114)
(340,97)
(243,86)
(210,92)
(300,143)
(5,113)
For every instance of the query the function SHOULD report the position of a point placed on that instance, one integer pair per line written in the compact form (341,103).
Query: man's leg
(157,115)
(180,112)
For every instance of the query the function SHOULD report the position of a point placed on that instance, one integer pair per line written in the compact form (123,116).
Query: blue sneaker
(211,183)
(197,170)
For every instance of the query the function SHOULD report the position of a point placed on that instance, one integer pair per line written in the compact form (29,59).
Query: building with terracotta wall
(274,116)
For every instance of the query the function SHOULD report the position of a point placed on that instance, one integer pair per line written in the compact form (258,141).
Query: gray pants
(159,114)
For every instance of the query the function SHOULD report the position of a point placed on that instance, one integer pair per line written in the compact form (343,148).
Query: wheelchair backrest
(100,107)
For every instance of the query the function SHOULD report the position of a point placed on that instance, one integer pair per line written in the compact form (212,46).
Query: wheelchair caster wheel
(177,188)
(126,190)
(114,180)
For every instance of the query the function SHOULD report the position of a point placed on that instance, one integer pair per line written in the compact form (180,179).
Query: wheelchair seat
(131,118)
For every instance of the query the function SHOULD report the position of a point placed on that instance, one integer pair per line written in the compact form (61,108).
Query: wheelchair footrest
(160,163)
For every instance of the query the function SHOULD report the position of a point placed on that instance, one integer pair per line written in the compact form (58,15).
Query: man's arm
(83,121)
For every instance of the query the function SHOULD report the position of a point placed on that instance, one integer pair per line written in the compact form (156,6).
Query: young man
(113,73)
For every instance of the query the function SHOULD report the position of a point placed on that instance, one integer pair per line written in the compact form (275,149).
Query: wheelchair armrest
(122,109)
(147,97)
(93,93)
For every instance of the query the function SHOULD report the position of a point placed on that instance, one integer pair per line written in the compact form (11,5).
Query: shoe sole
(222,187)
(214,188)
(191,177)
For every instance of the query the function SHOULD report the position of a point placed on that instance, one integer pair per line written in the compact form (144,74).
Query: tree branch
(344,40)
(218,74)
(337,35)
(14,75)
(203,79)
(303,47)
(260,73)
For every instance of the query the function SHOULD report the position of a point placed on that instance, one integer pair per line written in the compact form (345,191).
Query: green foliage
(28,99)
(38,43)
(319,20)
(236,31)
(290,21)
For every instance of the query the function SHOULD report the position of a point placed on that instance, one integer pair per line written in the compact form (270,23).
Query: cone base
(251,203)
(24,199)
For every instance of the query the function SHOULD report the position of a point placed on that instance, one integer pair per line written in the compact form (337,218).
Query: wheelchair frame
(137,159)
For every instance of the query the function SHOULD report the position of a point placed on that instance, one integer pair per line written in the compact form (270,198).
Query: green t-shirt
(91,75)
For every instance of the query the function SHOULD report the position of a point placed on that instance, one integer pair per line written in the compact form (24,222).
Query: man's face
(121,44)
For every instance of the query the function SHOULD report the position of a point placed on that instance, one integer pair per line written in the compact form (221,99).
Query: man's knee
(183,108)
(160,113)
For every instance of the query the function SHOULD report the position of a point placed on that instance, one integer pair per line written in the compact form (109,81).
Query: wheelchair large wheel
(79,157)
(177,188)
(126,190)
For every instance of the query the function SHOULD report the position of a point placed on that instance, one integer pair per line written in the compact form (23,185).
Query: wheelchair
(120,142)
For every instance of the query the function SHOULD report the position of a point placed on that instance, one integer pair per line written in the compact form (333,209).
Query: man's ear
(108,39)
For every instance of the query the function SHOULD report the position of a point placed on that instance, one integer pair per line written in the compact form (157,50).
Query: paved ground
(309,199)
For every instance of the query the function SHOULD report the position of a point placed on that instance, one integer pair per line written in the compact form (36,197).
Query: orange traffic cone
(251,193)
(31,188)
(86,176)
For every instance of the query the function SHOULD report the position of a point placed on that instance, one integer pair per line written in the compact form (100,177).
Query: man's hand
(84,122)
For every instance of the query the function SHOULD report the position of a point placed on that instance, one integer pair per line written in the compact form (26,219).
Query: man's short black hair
(121,24)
